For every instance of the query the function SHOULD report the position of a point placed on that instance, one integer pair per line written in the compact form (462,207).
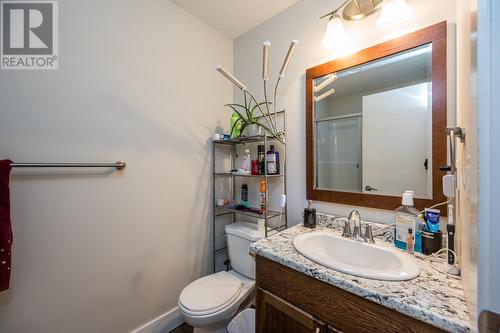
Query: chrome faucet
(356,233)
(356,218)
(368,236)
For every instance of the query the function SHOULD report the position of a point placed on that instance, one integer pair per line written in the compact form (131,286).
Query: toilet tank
(239,237)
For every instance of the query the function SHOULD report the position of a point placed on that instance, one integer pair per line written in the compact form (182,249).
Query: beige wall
(301,22)
(101,252)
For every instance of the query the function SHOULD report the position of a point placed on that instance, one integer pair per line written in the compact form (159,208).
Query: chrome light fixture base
(359,9)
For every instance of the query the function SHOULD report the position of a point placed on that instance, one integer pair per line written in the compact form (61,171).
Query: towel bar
(119,165)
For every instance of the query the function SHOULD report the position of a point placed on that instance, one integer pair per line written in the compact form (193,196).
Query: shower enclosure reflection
(373,126)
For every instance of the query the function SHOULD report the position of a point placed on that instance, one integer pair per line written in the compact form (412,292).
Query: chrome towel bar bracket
(453,133)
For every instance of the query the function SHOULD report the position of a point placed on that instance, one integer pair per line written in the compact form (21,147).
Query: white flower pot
(253,130)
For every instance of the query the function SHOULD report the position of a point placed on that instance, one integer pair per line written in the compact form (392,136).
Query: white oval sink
(371,261)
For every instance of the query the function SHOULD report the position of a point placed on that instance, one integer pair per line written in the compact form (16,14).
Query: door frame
(488,247)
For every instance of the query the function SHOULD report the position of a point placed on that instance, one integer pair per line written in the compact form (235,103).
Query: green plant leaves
(248,110)
(232,106)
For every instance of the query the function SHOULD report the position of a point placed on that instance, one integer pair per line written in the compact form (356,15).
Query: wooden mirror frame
(435,35)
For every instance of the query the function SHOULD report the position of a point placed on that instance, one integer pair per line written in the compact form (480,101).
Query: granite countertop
(432,297)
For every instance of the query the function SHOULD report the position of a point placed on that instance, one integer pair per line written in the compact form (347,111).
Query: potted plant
(243,115)
(245,122)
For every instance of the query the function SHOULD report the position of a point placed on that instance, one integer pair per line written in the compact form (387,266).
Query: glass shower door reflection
(338,154)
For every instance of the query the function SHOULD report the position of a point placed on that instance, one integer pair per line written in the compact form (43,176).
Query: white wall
(467,154)
(107,252)
(301,22)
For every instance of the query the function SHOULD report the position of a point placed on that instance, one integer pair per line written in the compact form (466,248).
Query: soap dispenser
(309,216)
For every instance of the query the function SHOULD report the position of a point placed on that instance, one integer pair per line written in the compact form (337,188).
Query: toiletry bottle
(262,196)
(406,218)
(273,162)
(450,230)
(309,216)
(244,195)
(261,155)
(247,161)
(419,227)
(409,241)
(255,167)
(417,233)
(235,126)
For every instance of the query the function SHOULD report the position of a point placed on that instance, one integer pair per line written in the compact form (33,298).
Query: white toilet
(209,303)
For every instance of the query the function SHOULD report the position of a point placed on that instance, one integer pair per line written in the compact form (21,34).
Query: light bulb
(286,62)
(393,13)
(230,77)
(265,60)
(321,97)
(335,34)
(326,82)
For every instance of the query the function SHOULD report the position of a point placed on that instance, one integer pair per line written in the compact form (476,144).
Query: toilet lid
(210,292)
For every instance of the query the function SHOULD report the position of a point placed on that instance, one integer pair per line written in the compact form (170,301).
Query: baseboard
(164,323)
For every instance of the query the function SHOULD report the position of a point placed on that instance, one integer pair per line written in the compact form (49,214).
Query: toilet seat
(210,294)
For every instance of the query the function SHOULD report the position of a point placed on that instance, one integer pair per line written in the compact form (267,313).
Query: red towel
(5,226)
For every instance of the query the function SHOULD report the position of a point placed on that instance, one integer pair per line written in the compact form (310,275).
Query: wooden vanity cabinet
(288,301)
(279,316)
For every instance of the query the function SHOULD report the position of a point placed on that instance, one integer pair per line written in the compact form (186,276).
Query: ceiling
(234,17)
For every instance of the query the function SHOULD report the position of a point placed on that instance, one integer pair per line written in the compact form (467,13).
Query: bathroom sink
(373,261)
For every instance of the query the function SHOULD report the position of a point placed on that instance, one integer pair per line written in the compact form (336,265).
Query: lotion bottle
(247,161)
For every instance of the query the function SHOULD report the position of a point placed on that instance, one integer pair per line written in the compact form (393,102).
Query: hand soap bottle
(309,216)
(406,220)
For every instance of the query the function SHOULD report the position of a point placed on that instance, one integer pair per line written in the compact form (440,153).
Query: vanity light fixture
(335,34)
(393,12)
(351,10)
(326,82)
(325,95)
(355,9)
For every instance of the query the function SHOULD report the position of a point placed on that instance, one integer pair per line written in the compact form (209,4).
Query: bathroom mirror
(376,123)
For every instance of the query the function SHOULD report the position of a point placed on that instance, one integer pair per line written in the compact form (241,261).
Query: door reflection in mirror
(373,126)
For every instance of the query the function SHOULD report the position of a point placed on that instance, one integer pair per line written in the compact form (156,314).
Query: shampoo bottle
(273,161)
(244,196)
(261,156)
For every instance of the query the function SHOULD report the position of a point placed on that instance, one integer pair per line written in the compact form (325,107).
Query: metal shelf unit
(225,211)
(227,174)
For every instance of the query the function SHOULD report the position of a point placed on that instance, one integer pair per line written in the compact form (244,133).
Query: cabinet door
(275,315)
